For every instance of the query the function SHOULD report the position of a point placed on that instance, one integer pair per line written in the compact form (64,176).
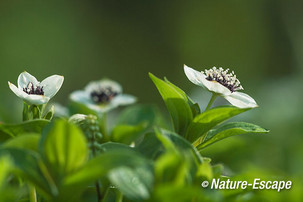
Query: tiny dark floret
(33,90)
(229,80)
(103,95)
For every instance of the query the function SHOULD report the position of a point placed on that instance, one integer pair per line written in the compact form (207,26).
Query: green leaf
(173,141)
(175,167)
(150,146)
(8,192)
(33,126)
(176,103)
(25,141)
(28,164)
(186,159)
(48,115)
(63,147)
(114,146)
(101,165)
(205,171)
(175,193)
(126,133)
(4,136)
(136,114)
(230,129)
(134,183)
(193,106)
(34,111)
(209,119)
(5,167)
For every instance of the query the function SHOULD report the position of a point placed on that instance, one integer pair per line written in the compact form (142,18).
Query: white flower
(102,96)
(33,92)
(223,83)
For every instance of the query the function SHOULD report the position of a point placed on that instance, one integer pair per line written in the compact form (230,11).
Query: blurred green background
(261,40)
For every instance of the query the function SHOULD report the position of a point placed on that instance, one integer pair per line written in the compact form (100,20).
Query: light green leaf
(173,141)
(48,115)
(175,167)
(193,106)
(205,171)
(176,103)
(175,193)
(5,167)
(63,147)
(209,119)
(230,129)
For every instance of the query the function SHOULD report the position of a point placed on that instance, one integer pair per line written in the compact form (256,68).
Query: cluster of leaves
(139,159)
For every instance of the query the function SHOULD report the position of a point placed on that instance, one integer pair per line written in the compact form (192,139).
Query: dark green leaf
(134,183)
(101,165)
(127,133)
(114,146)
(33,126)
(228,130)
(150,146)
(136,114)
(29,165)
(25,141)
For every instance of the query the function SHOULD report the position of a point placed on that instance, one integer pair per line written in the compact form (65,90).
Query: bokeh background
(261,40)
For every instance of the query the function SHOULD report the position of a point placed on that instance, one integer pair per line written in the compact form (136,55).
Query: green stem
(119,197)
(25,112)
(103,126)
(32,194)
(98,191)
(97,182)
(212,99)
(104,195)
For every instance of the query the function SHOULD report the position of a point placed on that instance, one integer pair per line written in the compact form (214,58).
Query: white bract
(102,96)
(34,92)
(223,83)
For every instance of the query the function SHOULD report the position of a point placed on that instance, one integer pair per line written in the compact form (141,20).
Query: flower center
(103,95)
(229,80)
(33,90)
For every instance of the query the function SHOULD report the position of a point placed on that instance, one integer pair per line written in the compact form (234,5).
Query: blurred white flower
(223,83)
(60,110)
(33,92)
(102,96)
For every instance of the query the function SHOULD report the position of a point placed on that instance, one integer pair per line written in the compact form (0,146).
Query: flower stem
(119,197)
(103,126)
(212,99)
(25,112)
(32,194)
(97,182)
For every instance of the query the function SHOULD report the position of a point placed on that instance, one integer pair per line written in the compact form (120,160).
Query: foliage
(140,158)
